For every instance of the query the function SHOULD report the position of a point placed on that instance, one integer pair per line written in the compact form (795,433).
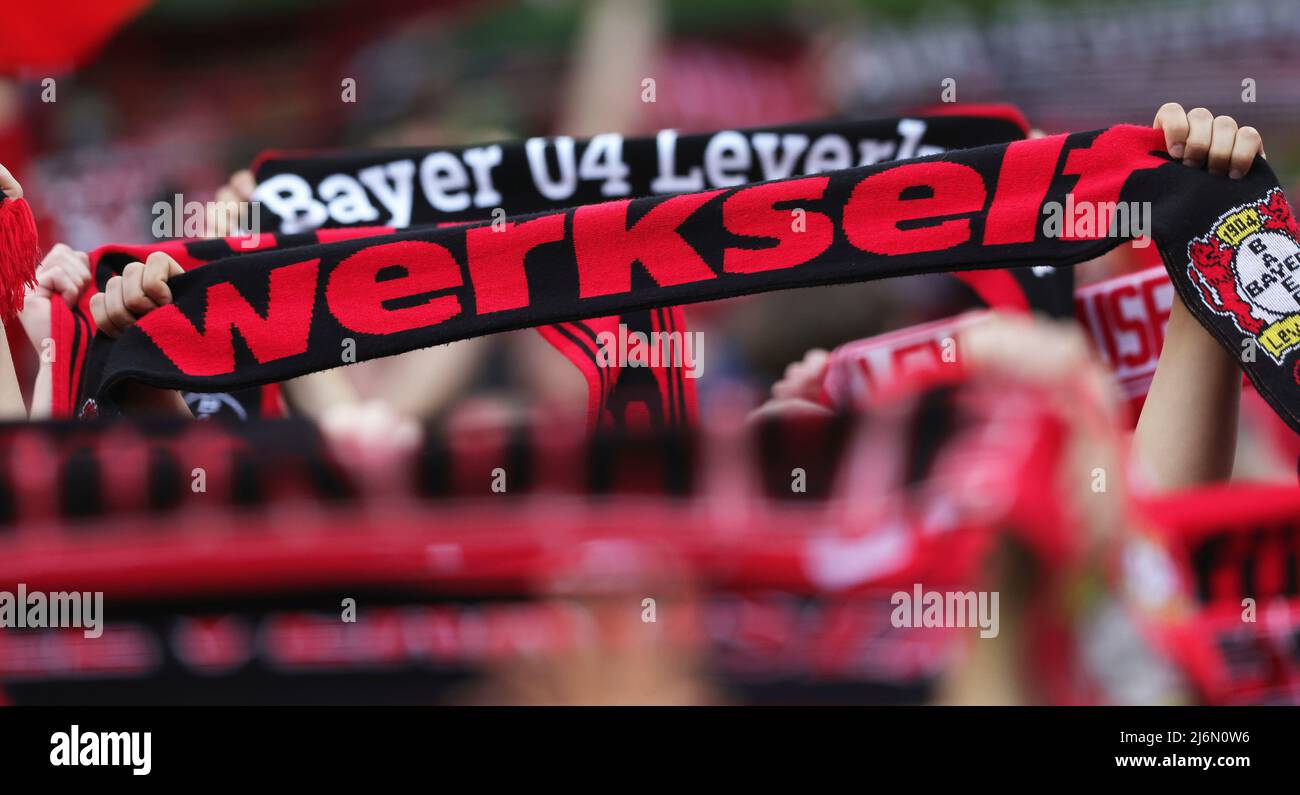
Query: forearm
(1187,433)
(310,395)
(615,52)
(11,396)
(423,383)
(43,392)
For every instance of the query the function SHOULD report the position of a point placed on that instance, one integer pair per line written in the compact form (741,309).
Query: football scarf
(1125,316)
(1229,246)
(656,394)
(300,191)
(411,187)
(858,372)
(72,328)
(123,492)
(1215,584)
(352,185)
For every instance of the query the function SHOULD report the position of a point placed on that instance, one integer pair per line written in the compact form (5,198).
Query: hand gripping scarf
(1229,246)
(73,330)
(666,393)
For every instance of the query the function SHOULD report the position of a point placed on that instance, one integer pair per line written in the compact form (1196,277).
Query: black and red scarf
(965,210)
(444,186)
(298,192)
(73,330)
(420,186)
(411,186)
(665,394)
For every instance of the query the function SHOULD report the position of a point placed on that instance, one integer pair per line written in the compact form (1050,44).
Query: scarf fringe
(19,253)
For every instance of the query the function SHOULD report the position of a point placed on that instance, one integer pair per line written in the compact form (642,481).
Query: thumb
(9,185)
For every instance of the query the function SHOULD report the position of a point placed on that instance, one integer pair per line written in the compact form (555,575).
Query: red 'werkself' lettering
(751,212)
(606,248)
(876,208)
(1026,174)
(283,332)
(1104,167)
(357,298)
(496,260)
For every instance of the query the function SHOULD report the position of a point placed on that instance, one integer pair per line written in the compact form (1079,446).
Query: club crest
(1248,268)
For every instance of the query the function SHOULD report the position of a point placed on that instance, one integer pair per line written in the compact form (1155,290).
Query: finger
(793,407)
(99,313)
(158,269)
(53,259)
(78,270)
(806,383)
(1200,127)
(71,297)
(70,269)
(56,280)
(803,373)
(1247,145)
(133,294)
(55,253)
(56,262)
(243,184)
(115,306)
(1223,134)
(81,262)
(1172,119)
(9,185)
(816,359)
(59,281)
(60,257)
